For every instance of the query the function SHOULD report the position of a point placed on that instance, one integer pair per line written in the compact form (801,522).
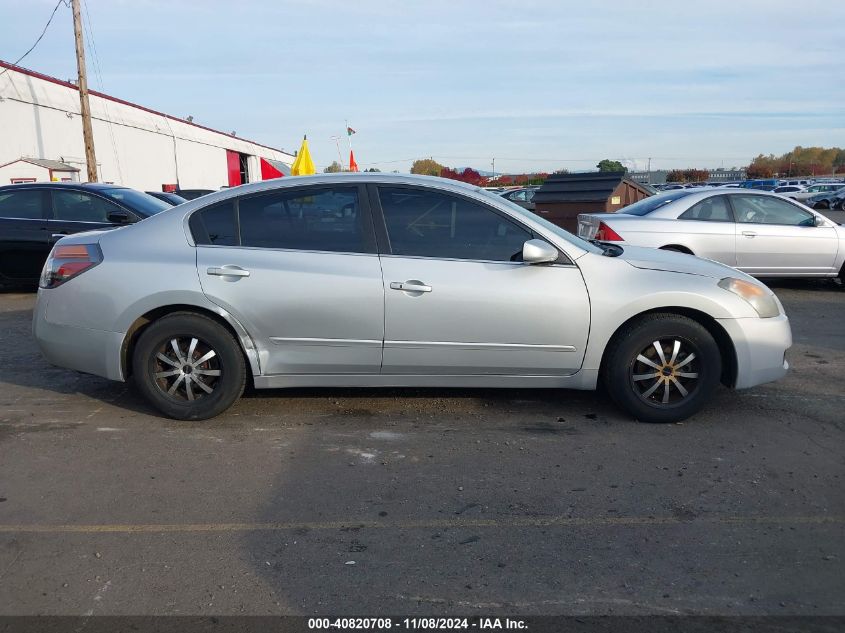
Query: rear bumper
(760,346)
(82,349)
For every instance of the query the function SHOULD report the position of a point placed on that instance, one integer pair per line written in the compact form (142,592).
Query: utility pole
(336,140)
(87,131)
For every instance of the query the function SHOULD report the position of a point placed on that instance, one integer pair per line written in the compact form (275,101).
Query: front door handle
(227,271)
(749,233)
(410,286)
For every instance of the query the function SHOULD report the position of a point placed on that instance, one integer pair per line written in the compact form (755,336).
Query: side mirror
(818,221)
(119,217)
(538,252)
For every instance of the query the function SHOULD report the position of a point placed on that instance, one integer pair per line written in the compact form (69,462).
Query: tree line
(801,161)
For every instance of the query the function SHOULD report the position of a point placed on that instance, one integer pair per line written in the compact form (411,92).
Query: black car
(171,198)
(828,200)
(193,194)
(34,216)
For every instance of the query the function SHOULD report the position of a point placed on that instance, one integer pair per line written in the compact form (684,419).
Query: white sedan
(760,233)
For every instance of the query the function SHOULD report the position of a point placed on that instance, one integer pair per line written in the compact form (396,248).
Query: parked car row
(817,196)
(766,184)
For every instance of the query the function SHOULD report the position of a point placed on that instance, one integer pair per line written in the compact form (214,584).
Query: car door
(777,237)
(75,211)
(711,232)
(459,300)
(23,239)
(298,268)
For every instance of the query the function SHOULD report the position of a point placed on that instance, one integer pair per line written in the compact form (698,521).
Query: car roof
(339,178)
(90,186)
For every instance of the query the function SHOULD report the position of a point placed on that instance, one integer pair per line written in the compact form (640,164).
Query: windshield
(647,205)
(143,203)
(552,228)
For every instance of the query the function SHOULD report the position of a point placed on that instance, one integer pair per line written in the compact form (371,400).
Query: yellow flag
(303,165)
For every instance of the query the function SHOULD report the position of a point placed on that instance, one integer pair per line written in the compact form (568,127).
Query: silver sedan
(760,233)
(374,280)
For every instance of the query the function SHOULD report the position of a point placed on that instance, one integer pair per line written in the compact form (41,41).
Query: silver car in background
(374,280)
(760,233)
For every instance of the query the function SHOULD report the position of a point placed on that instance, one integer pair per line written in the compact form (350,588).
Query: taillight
(607,234)
(66,262)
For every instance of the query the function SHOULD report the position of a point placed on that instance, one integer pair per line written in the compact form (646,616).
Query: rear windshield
(137,201)
(647,205)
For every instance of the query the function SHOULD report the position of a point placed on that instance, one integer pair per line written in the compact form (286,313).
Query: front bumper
(760,346)
(82,349)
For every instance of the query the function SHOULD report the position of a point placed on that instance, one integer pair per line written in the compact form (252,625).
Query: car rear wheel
(662,368)
(676,249)
(189,367)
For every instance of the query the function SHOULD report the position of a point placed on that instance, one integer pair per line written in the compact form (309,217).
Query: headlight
(760,298)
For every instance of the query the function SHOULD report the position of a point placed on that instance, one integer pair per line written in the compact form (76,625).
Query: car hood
(674,262)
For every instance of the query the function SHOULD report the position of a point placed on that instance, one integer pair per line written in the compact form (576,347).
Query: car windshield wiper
(608,250)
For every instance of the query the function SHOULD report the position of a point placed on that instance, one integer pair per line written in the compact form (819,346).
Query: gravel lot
(426,501)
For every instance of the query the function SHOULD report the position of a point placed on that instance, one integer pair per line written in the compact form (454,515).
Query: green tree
(334,168)
(611,165)
(426,167)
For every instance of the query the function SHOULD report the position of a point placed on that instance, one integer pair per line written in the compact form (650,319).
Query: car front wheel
(188,366)
(662,368)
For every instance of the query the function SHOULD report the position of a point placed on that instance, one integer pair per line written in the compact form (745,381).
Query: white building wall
(137,148)
(23,170)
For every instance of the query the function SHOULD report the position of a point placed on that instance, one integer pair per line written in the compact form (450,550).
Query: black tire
(178,383)
(628,379)
(676,249)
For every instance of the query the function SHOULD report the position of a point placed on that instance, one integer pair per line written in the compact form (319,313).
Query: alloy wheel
(186,369)
(666,372)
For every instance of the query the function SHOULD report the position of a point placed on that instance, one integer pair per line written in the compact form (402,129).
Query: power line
(32,48)
(89,35)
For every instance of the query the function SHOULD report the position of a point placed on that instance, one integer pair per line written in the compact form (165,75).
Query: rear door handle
(749,233)
(410,286)
(227,271)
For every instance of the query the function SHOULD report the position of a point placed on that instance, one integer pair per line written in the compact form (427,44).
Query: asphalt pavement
(424,501)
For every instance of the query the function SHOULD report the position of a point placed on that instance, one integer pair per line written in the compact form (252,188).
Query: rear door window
(315,219)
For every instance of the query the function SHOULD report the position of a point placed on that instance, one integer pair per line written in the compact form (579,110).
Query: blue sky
(537,85)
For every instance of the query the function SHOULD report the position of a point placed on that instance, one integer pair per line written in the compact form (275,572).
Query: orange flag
(353,166)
